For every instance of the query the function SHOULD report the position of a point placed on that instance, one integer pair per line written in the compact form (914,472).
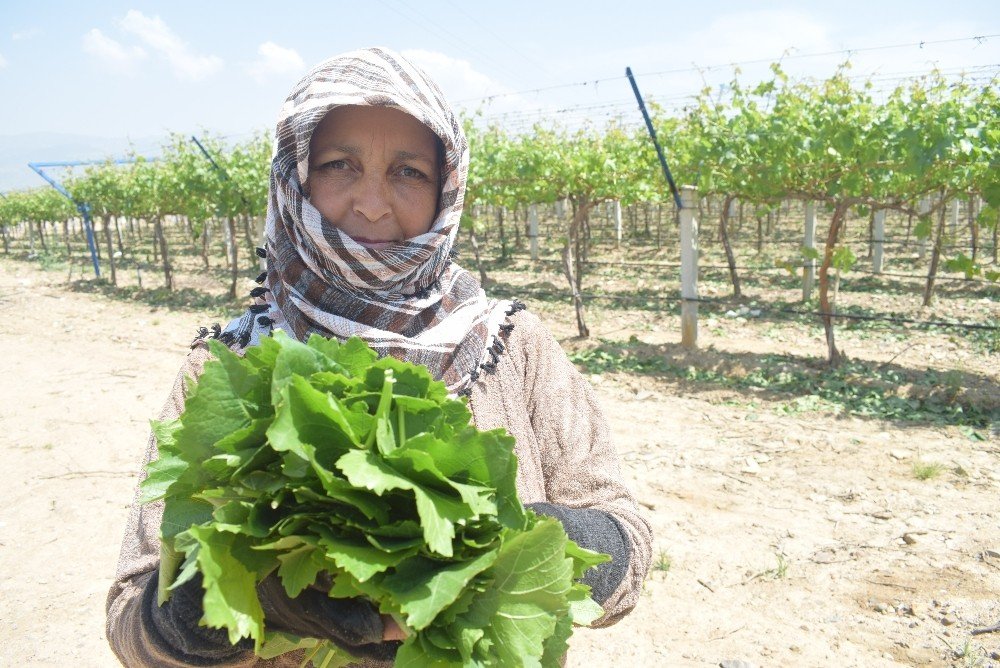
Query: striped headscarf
(409,299)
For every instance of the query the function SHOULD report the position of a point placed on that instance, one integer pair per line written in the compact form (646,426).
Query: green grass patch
(663,562)
(854,388)
(926,470)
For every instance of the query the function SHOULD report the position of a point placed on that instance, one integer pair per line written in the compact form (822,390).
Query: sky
(81,80)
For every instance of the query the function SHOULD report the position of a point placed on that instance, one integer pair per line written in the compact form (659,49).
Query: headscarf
(409,299)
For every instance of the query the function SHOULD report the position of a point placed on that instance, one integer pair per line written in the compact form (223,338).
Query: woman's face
(374,174)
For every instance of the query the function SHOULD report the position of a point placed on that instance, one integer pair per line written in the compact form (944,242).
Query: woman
(367,186)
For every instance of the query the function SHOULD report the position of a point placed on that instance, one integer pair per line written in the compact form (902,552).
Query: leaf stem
(384,404)
(170,559)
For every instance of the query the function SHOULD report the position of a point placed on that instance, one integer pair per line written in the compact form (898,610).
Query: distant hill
(16,151)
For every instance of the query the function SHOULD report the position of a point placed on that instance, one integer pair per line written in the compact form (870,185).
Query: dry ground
(781,540)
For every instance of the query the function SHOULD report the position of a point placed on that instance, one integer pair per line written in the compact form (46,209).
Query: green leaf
(843,258)
(163,473)
(230,599)
(354,355)
(438,513)
(423,588)
(223,401)
(922,230)
(531,579)
(309,424)
(584,559)
(277,643)
(484,458)
(299,568)
(298,359)
(180,514)
(810,253)
(360,559)
(250,436)
(165,432)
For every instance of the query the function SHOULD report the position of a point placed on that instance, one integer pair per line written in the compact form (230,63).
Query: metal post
(82,207)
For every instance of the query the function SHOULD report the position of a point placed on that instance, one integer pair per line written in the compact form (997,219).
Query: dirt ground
(780,540)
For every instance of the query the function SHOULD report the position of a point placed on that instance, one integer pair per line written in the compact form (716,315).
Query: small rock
(736,663)
(900,454)
(995,655)
(909,539)
(992,554)
(882,515)
(751,466)
(918,609)
(881,607)
(949,620)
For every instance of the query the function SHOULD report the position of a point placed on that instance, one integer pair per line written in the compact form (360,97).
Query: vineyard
(838,417)
(811,196)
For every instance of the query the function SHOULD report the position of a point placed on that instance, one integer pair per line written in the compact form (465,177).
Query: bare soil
(781,538)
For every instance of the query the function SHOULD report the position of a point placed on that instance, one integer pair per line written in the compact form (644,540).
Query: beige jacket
(565,456)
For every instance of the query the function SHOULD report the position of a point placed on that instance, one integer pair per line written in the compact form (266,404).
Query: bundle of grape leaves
(319,461)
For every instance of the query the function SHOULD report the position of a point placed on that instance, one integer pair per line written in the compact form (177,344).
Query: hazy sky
(142,69)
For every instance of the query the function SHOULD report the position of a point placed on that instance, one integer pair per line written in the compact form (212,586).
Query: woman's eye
(411,173)
(336,164)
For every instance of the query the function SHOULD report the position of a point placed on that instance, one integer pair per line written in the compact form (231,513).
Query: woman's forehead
(357,122)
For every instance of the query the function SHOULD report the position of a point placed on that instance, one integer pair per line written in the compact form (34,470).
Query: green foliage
(987,340)
(304,459)
(843,258)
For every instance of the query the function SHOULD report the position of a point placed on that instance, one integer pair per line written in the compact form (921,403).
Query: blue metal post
(82,207)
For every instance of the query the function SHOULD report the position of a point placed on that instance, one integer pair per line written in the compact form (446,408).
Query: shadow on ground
(798,384)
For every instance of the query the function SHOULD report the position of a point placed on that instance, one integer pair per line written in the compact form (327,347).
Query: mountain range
(16,151)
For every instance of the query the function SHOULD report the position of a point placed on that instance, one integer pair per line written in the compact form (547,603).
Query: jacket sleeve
(136,637)
(581,467)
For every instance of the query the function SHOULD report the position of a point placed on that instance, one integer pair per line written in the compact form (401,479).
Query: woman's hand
(393,631)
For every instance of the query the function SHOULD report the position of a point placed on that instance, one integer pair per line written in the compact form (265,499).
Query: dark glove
(173,628)
(353,624)
(598,531)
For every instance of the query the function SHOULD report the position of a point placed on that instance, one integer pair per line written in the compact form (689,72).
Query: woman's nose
(371,198)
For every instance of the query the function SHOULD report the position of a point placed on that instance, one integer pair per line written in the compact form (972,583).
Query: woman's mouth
(372,243)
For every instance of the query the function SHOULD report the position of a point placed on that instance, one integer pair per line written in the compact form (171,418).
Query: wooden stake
(809,266)
(689,267)
(533,230)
